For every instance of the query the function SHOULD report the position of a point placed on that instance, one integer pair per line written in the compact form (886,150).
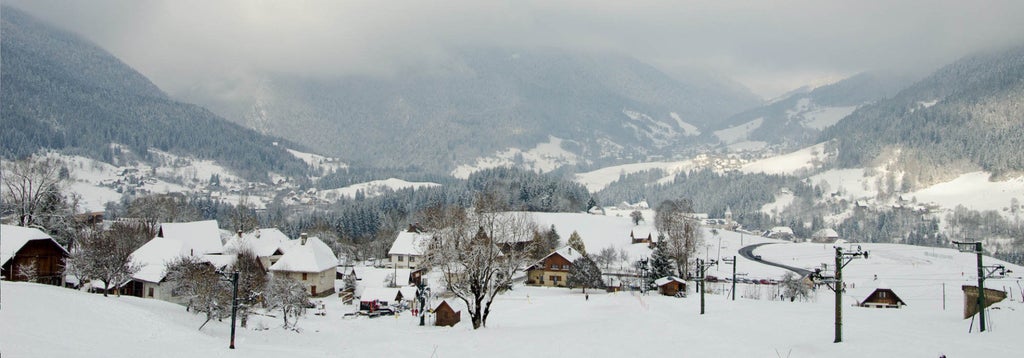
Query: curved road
(748,253)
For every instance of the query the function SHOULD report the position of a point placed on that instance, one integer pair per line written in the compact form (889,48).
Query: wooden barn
(28,254)
(445,315)
(883,298)
(670,285)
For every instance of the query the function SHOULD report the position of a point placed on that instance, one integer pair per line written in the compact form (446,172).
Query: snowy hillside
(599,179)
(544,157)
(371,189)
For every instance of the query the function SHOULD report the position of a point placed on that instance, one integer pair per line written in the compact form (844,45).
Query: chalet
(151,279)
(408,248)
(445,315)
(30,254)
(883,298)
(825,236)
(309,261)
(633,239)
(670,285)
(266,244)
(780,232)
(553,269)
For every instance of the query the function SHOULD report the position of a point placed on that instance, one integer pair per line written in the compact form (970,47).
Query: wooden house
(633,239)
(883,298)
(553,269)
(445,315)
(29,254)
(670,285)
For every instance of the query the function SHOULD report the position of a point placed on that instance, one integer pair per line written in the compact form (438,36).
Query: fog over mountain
(772,47)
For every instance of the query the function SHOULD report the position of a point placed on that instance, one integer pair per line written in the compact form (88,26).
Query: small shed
(445,315)
(670,285)
(883,298)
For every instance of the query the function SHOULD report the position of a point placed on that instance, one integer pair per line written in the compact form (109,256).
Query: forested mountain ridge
(798,119)
(63,92)
(482,101)
(968,115)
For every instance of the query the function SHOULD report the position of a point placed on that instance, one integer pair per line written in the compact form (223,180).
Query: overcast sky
(769,46)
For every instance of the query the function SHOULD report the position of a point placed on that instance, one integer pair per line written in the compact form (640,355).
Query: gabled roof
(313,256)
(410,243)
(408,292)
(566,252)
(664,280)
(385,294)
(154,256)
(263,242)
(13,238)
(887,290)
(201,237)
(438,303)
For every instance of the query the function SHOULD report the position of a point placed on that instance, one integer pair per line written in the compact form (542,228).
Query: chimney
(303,237)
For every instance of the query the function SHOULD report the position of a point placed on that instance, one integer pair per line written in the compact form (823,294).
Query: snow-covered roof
(13,238)
(409,243)
(154,256)
(202,237)
(826,233)
(436,304)
(385,294)
(568,253)
(313,256)
(662,281)
(782,230)
(220,261)
(408,292)
(263,242)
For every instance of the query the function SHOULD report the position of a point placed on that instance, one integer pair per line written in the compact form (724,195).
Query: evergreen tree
(585,273)
(661,264)
(576,242)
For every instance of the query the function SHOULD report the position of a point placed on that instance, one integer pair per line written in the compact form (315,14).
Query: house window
(401,258)
(150,292)
(565,267)
(554,267)
(554,278)
(303,276)
(412,258)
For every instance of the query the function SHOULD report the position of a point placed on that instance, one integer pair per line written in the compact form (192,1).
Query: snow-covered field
(44,321)
(544,157)
(372,188)
(789,163)
(599,179)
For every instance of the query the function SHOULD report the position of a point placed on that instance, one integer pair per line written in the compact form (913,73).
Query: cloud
(180,42)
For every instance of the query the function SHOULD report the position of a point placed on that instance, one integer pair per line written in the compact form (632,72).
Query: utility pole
(702,267)
(733,262)
(835,283)
(233,278)
(995,271)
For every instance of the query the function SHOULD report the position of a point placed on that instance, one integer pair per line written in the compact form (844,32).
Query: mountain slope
(483,101)
(798,119)
(63,92)
(965,116)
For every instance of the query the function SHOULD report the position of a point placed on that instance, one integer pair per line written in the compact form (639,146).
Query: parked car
(757,257)
(710,278)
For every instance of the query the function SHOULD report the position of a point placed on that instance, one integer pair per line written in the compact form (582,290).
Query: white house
(266,244)
(309,261)
(182,239)
(408,249)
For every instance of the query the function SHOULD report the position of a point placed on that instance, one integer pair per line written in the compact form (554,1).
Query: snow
(312,256)
(824,117)
(13,238)
(318,162)
(852,182)
(974,191)
(262,242)
(153,257)
(372,188)
(738,133)
(803,159)
(199,237)
(599,179)
(688,128)
(544,157)
(523,321)
(409,243)
(782,200)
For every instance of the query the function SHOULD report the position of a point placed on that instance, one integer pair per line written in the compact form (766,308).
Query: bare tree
(681,231)
(478,253)
(34,191)
(104,256)
(201,286)
(252,282)
(636,216)
(288,295)
(606,256)
(29,270)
